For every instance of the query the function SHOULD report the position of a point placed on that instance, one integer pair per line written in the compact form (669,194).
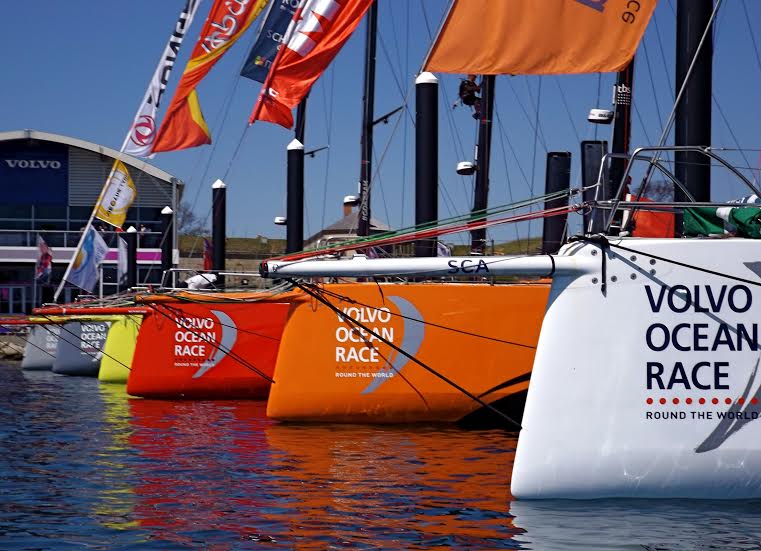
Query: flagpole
(186,18)
(84,232)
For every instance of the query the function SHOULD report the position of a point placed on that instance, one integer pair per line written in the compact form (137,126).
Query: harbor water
(83,465)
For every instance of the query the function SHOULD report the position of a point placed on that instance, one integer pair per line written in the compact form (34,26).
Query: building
(49,185)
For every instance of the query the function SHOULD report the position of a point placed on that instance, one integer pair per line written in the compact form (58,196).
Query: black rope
(80,339)
(438,326)
(28,341)
(685,265)
(454,385)
(227,352)
(248,331)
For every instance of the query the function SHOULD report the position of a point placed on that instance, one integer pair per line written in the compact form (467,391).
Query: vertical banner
(117,196)
(143,130)
(208,255)
(317,33)
(271,35)
(121,262)
(84,265)
(184,125)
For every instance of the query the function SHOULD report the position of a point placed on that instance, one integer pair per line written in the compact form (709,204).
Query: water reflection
(222,467)
(82,464)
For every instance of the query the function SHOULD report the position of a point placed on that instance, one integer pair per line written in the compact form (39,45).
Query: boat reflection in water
(208,467)
(639,524)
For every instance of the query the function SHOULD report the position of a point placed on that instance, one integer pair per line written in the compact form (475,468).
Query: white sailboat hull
(595,425)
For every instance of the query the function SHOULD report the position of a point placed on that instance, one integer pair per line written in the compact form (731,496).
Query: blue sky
(81,67)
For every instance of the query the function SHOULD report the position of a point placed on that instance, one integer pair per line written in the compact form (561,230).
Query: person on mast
(468,94)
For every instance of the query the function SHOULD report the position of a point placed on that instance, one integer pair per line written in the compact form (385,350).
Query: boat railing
(210,280)
(652,155)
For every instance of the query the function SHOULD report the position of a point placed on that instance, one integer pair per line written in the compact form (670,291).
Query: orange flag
(317,33)
(184,125)
(539,37)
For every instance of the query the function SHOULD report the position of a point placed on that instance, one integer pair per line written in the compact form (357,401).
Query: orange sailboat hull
(481,337)
(208,349)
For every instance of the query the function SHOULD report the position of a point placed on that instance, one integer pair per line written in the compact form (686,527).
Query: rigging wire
(327,110)
(318,296)
(567,109)
(350,300)
(533,157)
(599,87)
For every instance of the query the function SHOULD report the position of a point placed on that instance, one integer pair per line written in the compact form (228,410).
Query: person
(469,95)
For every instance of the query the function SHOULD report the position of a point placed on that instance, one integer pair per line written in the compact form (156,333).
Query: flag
(183,125)
(44,267)
(84,267)
(208,255)
(531,37)
(268,42)
(143,130)
(121,262)
(117,196)
(317,33)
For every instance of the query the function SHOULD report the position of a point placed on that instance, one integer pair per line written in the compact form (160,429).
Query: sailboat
(329,370)
(645,382)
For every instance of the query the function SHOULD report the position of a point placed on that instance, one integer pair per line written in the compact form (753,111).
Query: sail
(494,37)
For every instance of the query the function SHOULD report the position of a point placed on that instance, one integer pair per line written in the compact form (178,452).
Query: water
(82,465)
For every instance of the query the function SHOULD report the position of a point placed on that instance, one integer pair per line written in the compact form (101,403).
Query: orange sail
(494,37)
(184,125)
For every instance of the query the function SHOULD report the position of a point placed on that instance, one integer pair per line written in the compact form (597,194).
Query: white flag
(143,130)
(84,266)
(121,262)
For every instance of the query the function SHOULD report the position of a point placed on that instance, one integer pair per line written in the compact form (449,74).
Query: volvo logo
(32,163)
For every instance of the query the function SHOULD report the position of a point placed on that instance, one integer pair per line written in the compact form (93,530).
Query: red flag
(208,255)
(184,125)
(317,33)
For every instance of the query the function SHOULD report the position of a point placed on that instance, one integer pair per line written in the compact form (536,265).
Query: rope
(477,220)
(401,351)
(226,351)
(438,326)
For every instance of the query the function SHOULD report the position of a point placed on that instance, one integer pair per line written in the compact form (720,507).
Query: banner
(117,196)
(208,255)
(184,125)
(527,37)
(84,266)
(143,130)
(270,37)
(317,33)
(44,266)
(121,261)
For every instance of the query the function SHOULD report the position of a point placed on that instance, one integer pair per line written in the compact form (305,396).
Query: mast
(483,157)
(693,113)
(368,108)
(622,127)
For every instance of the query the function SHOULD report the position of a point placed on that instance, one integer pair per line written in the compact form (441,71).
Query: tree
(188,223)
